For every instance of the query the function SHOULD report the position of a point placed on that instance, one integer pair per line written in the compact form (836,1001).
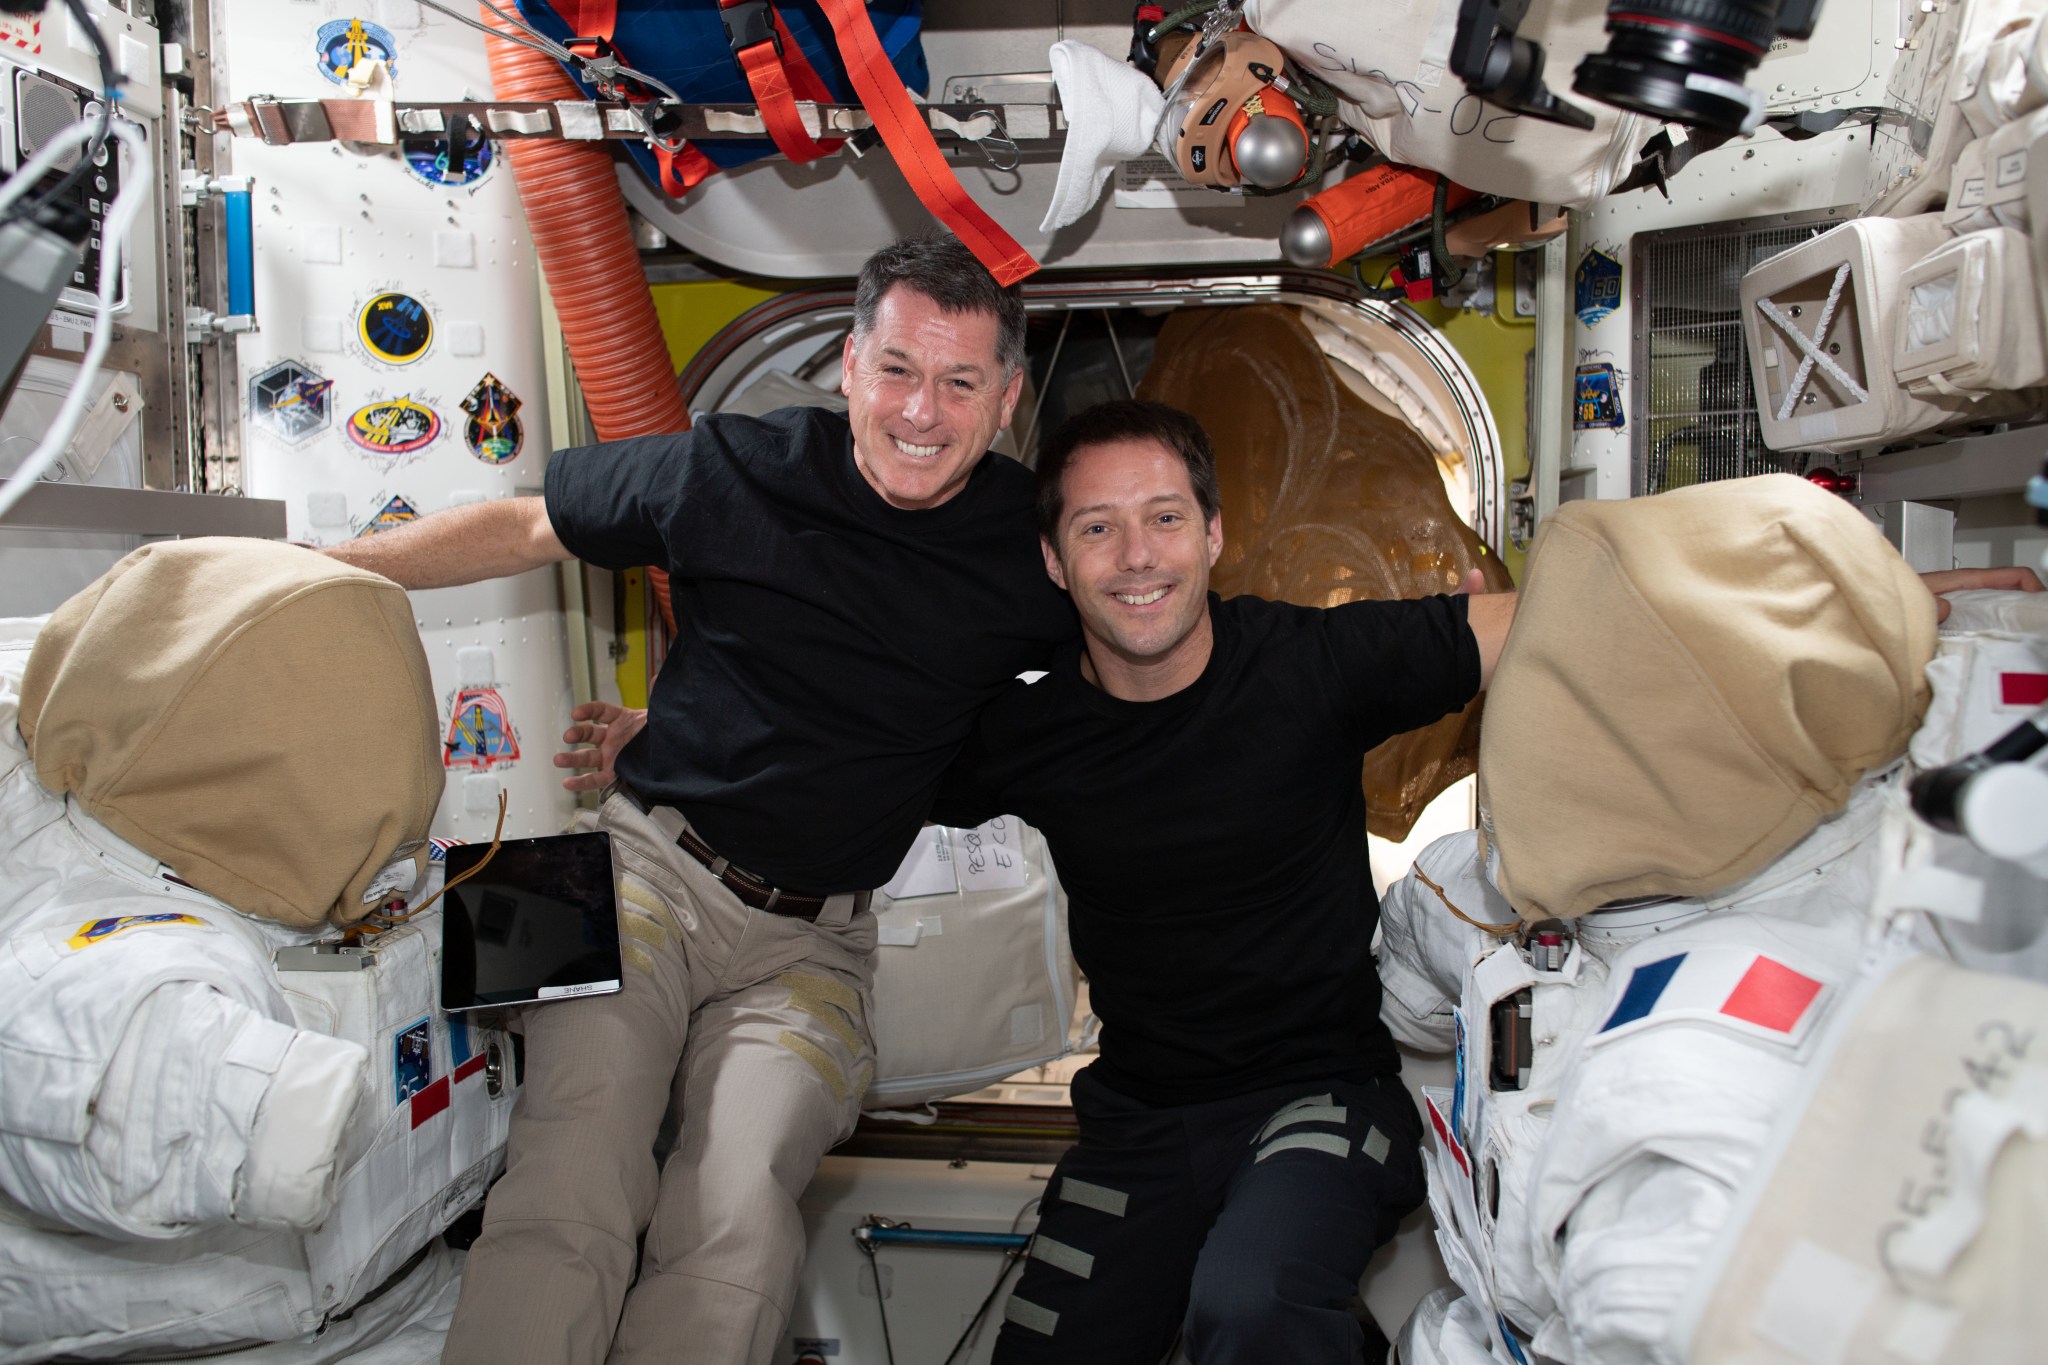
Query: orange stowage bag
(1326,500)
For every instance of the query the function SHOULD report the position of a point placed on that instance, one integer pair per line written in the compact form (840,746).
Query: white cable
(540,42)
(535,39)
(135,189)
(45,160)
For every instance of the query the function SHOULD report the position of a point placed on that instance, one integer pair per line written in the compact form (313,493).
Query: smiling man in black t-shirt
(1245,1143)
(848,593)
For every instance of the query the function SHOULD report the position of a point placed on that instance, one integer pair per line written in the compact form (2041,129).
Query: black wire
(1448,272)
(1011,1260)
(109,78)
(880,1306)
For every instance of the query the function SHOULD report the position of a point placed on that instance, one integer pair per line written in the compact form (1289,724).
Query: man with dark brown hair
(1245,1143)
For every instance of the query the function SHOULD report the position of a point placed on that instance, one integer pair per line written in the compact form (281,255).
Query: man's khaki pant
(758,1026)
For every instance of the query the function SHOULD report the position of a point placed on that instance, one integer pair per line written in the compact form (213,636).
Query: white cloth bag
(1390,65)
(972,985)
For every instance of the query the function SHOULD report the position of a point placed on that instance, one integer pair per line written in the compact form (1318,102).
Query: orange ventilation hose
(584,242)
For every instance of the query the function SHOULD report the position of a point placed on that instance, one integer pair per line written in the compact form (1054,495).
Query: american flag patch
(1447,1136)
(437,849)
(1750,991)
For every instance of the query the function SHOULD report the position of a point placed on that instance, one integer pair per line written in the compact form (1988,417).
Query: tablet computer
(537,923)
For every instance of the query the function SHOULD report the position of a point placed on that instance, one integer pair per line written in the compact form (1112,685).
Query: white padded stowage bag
(1970,322)
(2011,78)
(1967,209)
(1936,80)
(976,982)
(1819,320)
(197,1150)
(2006,153)
(1390,67)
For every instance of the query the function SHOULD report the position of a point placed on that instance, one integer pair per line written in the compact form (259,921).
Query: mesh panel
(44,110)
(1694,409)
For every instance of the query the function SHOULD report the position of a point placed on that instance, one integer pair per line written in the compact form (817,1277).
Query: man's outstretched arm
(461,545)
(1491,613)
(1488,614)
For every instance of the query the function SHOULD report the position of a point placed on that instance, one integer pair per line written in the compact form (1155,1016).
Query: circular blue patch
(344,42)
(427,158)
(396,328)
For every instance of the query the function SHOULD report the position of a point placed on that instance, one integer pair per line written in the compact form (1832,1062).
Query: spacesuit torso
(199,1151)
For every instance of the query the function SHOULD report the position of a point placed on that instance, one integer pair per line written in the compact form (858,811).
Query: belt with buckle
(755,892)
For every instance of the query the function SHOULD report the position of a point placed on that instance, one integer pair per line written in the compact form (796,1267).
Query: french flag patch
(1740,988)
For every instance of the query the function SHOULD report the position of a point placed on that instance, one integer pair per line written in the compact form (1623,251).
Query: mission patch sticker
(433,159)
(344,42)
(291,401)
(395,328)
(412,1060)
(394,426)
(1596,399)
(396,512)
(480,734)
(1596,287)
(493,432)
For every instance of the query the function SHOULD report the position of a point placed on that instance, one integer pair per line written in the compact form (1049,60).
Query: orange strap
(589,18)
(682,171)
(774,94)
(909,140)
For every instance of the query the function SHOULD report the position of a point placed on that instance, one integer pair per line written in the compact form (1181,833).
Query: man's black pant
(1245,1222)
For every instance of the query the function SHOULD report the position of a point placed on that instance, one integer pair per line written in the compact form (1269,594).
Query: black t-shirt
(1212,843)
(832,650)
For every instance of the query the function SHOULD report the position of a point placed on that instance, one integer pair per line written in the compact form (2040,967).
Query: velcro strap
(909,139)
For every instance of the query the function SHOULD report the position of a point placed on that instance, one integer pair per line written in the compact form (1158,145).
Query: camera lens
(1682,60)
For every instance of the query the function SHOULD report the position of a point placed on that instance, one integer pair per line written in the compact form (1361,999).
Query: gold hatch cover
(1327,499)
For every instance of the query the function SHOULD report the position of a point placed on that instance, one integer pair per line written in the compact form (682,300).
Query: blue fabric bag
(683,43)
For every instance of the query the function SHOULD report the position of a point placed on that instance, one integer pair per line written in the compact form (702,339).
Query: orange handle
(1375,204)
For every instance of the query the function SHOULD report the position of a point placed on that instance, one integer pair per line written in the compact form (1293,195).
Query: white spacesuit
(1630,1083)
(1641,1127)
(199,1151)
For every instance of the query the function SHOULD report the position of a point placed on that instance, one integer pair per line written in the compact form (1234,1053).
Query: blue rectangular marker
(1644,986)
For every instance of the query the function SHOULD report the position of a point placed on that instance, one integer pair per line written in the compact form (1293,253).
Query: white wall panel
(335,226)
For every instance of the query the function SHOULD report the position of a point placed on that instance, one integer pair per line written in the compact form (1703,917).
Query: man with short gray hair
(848,592)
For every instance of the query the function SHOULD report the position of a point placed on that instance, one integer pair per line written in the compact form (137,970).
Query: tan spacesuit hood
(1693,682)
(256,716)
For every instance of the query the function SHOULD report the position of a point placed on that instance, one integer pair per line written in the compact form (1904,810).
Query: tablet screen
(537,923)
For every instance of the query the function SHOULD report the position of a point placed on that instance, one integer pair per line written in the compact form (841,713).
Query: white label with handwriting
(990,857)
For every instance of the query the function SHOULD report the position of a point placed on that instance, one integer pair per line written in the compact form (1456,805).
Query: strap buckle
(748,24)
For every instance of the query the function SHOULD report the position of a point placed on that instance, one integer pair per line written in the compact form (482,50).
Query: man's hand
(608,727)
(2013,579)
